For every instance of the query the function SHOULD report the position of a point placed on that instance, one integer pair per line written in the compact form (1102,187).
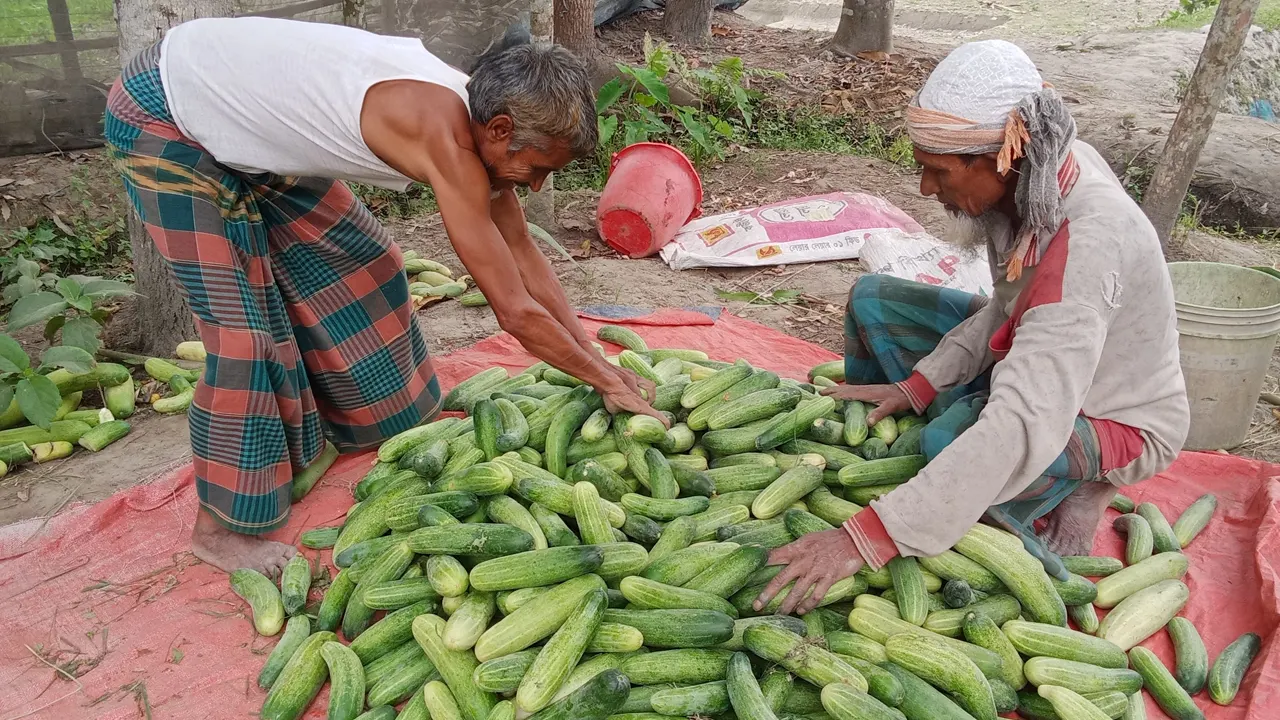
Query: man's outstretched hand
(888,399)
(638,385)
(817,560)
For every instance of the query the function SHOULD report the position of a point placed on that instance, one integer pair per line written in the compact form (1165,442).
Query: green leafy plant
(63,249)
(24,276)
(73,310)
(776,297)
(38,396)
(637,107)
(1193,6)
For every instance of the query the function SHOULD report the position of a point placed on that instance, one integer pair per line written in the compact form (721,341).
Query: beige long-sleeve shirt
(1090,332)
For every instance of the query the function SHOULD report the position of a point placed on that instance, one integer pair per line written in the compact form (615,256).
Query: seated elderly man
(233,136)
(1045,397)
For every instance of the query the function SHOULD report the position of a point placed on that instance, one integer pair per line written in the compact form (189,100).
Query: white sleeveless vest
(284,96)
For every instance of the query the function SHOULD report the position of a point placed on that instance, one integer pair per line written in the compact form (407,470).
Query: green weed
(1195,14)
(386,204)
(61,249)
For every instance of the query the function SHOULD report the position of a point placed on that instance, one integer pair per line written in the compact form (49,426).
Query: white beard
(970,233)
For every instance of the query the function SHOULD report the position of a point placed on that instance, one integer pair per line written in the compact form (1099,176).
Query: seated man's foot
(227,550)
(1071,526)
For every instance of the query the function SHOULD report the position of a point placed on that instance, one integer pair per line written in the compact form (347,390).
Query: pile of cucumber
(543,558)
(431,280)
(93,429)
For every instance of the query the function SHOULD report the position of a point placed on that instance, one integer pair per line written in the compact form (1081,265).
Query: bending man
(232,137)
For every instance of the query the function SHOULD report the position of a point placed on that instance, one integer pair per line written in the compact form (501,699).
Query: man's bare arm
(436,148)
(543,285)
(538,274)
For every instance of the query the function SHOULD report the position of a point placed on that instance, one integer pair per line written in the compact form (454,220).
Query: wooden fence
(52,93)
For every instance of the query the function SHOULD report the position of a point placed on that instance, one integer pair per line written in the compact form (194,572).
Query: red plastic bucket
(652,191)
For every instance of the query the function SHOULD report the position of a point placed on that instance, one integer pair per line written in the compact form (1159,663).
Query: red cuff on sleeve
(871,538)
(1118,444)
(919,391)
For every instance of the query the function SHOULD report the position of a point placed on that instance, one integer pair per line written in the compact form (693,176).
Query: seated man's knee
(865,287)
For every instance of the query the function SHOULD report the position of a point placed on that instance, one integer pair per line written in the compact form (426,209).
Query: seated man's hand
(817,560)
(888,399)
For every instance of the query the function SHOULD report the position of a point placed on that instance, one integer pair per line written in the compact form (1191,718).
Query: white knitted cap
(981,81)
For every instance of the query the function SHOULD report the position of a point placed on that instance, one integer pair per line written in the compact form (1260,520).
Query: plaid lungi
(891,324)
(299,296)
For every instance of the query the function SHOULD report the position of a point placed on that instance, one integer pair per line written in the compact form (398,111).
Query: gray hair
(1052,131)
(546,91)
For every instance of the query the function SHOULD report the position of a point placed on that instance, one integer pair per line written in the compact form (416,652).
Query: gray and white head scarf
(987,97)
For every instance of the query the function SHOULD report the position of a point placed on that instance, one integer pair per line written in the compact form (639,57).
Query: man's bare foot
(1071,526)
(227,550)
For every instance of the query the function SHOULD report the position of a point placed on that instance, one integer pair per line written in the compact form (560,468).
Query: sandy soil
(954,21)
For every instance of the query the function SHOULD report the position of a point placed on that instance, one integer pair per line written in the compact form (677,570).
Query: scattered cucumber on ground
(96,404)
(544,559)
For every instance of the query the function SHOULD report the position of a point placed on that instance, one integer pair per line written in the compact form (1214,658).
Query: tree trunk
(865,26)
(688,21)
(540,207)
(1162,201)
(163,318)
(353,13)
(575,29)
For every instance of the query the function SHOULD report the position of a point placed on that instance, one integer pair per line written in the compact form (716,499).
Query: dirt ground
(81,185)
(954,21)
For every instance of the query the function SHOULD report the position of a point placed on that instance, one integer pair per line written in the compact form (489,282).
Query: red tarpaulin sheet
(111,594)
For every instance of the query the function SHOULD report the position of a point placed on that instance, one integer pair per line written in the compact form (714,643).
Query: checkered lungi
(299,296)
(891,324)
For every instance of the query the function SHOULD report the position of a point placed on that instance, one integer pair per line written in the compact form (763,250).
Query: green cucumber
(685,666)
(334,604)
(535,568)
(646,594)
(676,629)
(846,703)
(300,680)
(1040,640)
(561,653)
(469,620)
(1191,659)
(469,539)
(908,584)
(744,694)
(390,632)
(1194,519)
(538,618)
(1140,540)
(946,668)
(983,632)
(455,666)
(598,697)
(855,423)
(296,632)
(503,509)
(1162,686)
(346,681)
(263,598)
(1092,566)
(1162,535)
(447,576)
(503,674)
(787,489)
(295,582)
(553,527)
(1229,669)
(1083,677)
(920,701)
